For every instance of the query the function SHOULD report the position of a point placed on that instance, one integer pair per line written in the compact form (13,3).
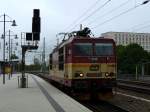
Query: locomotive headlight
(81,74)
(106,74)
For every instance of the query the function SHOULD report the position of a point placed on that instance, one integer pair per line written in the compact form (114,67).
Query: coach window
(69,51)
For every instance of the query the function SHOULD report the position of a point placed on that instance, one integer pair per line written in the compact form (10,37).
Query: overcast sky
(61,15)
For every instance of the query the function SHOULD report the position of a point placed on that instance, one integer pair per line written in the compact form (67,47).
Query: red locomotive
(85,65)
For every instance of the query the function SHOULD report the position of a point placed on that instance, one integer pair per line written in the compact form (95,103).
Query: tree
(36,61)
(131,55)
(13,56)
(120,54)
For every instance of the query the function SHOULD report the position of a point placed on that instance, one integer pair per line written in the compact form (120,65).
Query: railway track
(141,83)
(103,106)
(137,86)
(99,106)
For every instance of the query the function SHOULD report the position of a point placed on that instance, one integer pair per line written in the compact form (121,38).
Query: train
(84,65)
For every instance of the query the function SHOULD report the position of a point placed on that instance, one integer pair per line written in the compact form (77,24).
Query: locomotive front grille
(94,67)
(94,75)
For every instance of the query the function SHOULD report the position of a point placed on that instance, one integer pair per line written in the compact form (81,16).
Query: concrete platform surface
(38,97)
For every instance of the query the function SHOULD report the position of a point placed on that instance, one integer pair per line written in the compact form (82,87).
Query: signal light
(36,36)
(29,36)
(36,13)
(36,24)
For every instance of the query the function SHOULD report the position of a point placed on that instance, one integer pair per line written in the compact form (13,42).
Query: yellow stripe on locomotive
(88,70)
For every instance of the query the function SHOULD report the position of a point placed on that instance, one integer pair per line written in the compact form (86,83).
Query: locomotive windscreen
(83,49)
(96,49)
(104,49)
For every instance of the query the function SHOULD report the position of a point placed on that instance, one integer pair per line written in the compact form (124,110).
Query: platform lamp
(13,24)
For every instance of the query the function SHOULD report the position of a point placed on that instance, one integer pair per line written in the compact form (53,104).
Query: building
(125,38)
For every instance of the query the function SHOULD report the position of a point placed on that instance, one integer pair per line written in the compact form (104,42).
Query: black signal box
(29,36)
(36,13)
(36,24)
(36,36)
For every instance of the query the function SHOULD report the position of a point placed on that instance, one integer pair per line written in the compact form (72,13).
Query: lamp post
(10,44)
(13,24)
(10,48)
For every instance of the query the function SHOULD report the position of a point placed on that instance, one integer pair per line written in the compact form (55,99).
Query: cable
(135,26)
(116,16)
(141,24)
(143,27)
(109,11)
(143,3)
(83,14)
(93,13)
(96,10)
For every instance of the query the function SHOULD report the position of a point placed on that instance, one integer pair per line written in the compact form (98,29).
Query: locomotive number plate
(94,67)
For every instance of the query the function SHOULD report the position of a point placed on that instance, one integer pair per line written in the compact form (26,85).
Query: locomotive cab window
(61,58)
(50,61)
(82,49)
(103,49)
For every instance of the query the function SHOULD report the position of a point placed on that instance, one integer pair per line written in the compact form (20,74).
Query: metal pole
(23,80)
(43,56)
(10,74)
(80,27)
(142,70)
(136,72)
(4,54)
(23,62)
(9,46)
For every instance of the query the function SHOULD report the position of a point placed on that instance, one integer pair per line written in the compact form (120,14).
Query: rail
(103,106)
(137,86)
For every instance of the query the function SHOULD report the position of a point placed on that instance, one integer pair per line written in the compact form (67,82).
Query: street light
(9,35)
(9,48)
(13,24)
(12,55)
(15,48)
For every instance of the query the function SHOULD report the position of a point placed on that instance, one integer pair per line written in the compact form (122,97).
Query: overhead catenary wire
(91,14)
(109,12)
(143,27)
(122,13)
(82,15)
(138,25)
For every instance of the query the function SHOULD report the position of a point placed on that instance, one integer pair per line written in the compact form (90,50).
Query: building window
(115,38)
(146,38)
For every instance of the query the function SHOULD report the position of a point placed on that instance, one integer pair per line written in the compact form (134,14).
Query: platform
(40,96)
